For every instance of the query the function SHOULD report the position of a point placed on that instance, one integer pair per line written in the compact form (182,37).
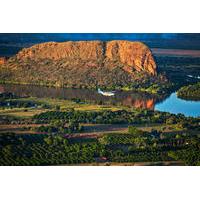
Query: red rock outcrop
(134,56)
(69,50)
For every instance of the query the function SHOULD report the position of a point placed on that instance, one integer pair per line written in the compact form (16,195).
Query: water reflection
(170,103)
(139,103)
(131,99)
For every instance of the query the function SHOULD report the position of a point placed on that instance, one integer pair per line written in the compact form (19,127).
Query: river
(175,105)
(171,104)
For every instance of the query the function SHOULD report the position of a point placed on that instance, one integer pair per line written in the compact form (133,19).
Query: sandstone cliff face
(133,56)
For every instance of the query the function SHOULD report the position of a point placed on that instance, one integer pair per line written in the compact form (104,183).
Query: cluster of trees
(190,92)
(147,148)
(7,95)
(61,127)
(189,155)
(49,150)
(7,119)
(140,139)
(64,73)
(136,146)
(10,100)
(134,131)
(117,117)
(17,104)
(156,85)
(141,156)
(113,142)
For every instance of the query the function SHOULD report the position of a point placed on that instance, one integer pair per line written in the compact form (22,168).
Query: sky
(11,43)
(26,37)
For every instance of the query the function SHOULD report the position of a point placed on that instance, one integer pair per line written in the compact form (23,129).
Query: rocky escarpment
(134,55)
(65,50)
(82,63)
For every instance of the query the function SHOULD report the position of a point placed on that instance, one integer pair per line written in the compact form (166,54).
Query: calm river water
(175,105)
(170,104)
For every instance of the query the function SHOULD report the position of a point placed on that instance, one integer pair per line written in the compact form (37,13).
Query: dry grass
(21,112)
(19,128)
(67,104)
(63,104)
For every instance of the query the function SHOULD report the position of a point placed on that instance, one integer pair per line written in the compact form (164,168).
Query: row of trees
(60,127)
(10,100)
(137,146)
(7,95)
(17,104)
(117,117)
(49,150)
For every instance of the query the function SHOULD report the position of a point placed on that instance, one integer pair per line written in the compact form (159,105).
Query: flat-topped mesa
(83,50)
(134,56)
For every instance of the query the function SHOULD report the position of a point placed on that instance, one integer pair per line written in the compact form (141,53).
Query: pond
(143,100)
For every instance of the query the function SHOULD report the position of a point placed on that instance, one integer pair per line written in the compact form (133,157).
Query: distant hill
(112,64)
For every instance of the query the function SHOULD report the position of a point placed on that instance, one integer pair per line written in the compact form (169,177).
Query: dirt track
(159,163)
